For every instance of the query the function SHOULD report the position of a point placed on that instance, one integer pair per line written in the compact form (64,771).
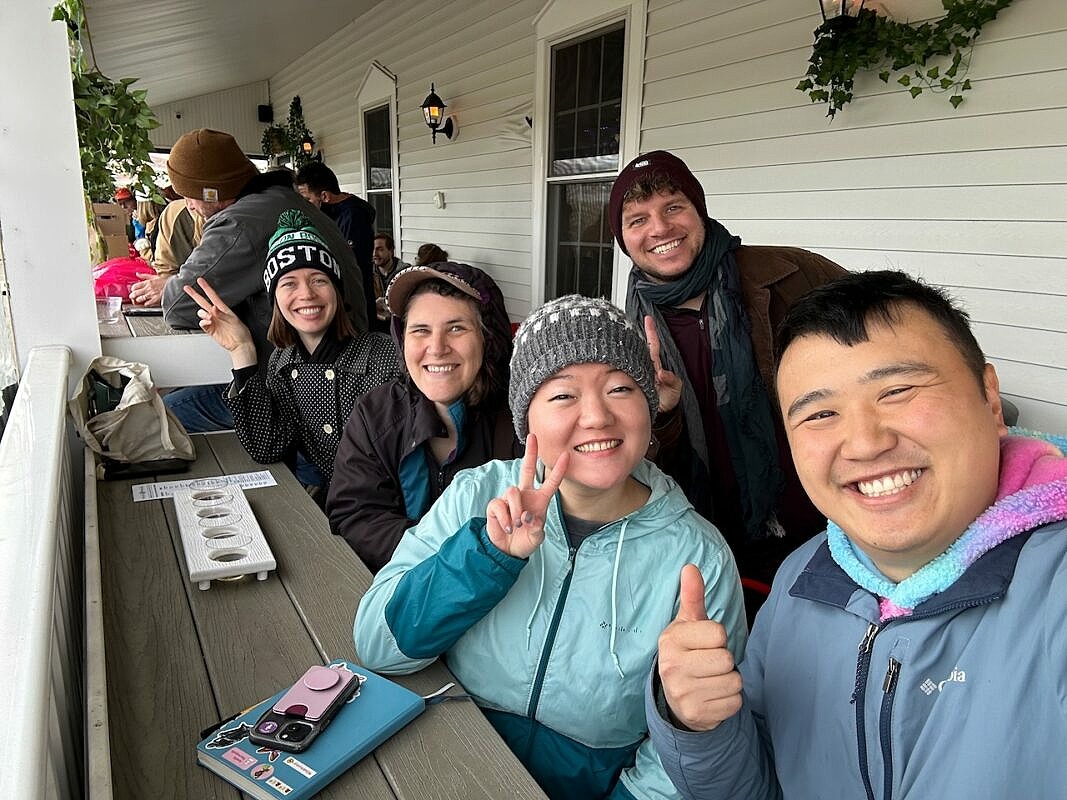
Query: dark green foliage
(845,45)
(286,139)
(113,121)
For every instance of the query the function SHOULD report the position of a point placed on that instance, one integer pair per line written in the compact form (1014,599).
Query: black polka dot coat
(300,404)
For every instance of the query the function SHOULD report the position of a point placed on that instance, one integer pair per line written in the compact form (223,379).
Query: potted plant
(113,123)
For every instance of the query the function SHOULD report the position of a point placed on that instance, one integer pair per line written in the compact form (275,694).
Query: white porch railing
(41,595)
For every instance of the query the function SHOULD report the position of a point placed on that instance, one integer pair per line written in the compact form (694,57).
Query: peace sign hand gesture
(219,321)
(668,385)
(515,521)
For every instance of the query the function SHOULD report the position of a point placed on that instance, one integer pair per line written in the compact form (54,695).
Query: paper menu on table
(158,491)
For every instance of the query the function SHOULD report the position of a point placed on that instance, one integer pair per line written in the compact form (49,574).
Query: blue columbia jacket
(555,648)
(966,699)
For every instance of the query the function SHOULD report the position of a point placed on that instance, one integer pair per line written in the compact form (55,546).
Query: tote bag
(119,414)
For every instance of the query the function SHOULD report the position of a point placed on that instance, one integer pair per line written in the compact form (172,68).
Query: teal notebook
(378,710)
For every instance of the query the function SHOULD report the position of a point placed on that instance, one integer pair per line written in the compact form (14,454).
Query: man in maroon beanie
(710,306)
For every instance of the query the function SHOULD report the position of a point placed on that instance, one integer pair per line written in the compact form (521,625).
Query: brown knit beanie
(658,163)
(209,165)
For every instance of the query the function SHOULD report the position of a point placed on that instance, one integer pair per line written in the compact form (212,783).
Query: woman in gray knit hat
(547,580)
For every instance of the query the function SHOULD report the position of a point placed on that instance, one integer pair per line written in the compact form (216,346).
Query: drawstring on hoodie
(614,600)
(537,601)
(614,607)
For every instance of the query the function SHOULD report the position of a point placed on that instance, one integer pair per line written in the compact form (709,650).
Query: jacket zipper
(889,690)
(889,687)
(863,666)
(542,666)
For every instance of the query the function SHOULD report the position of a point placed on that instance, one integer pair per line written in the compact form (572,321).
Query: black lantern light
(433,111)
(307,144)
(834,9)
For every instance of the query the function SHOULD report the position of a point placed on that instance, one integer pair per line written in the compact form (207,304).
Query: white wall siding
(233,110)
(972,199)
(480,55)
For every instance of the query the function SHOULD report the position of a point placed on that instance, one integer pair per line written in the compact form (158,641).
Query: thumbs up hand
(700,683)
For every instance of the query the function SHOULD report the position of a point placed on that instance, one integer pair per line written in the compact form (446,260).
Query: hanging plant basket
(275,141)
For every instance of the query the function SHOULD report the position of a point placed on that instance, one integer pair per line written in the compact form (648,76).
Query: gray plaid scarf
(740,394)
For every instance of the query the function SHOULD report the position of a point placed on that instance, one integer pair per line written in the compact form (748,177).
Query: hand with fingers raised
(515,521)
(668,385)
(696,670)
(219,321)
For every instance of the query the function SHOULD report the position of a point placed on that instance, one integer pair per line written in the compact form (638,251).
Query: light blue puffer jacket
(965,699)
(549,641)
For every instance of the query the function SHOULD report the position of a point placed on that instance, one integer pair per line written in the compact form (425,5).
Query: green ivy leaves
(845,45)
(113,121)
(286,139)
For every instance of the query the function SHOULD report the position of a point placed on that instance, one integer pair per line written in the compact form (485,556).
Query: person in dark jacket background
(406,440)
(317,184)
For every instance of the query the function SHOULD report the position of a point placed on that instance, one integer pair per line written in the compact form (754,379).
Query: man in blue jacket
(917,648)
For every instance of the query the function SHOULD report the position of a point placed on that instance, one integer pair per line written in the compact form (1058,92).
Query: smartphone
(303,712)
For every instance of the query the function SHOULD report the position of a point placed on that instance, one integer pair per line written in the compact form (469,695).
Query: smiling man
(916,649)
(713,304)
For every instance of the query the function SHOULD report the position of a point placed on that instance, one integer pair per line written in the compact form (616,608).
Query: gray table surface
(147,325)
(179,659)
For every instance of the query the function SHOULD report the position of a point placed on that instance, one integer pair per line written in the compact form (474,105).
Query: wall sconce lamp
(831,9)
(307,144)
(433,111)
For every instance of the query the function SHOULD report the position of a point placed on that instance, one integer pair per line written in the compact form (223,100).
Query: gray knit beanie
(575,330)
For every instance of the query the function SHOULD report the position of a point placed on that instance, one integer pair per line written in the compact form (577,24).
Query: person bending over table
(322,365)
(406,440)
(547,600)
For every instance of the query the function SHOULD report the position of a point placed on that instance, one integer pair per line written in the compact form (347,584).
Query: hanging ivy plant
(275,141)
(286,140)
(844,45)
(113,120)
(298,131)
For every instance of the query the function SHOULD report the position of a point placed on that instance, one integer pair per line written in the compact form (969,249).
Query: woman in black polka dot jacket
(322,364)
(405,441)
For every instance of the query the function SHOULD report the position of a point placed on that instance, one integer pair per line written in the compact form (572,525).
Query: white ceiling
(185,48)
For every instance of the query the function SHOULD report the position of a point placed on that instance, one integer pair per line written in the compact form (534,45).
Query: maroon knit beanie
(658,162)
(209,165)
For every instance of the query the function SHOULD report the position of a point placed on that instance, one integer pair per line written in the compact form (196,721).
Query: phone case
(302,712)
(315,693)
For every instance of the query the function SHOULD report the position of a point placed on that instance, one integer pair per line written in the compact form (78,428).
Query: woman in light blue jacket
(547,601)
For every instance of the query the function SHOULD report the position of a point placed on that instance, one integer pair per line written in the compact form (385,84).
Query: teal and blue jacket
(554,648)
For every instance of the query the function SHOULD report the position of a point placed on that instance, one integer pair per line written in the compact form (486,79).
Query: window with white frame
(378,158)
(585,121)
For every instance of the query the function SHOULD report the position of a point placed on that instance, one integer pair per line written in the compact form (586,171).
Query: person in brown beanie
(710,306)
(240,207)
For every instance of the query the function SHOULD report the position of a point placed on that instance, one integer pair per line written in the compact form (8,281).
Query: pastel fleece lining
(1032,491)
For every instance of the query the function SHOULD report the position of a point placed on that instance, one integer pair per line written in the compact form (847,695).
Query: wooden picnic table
(179,658)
